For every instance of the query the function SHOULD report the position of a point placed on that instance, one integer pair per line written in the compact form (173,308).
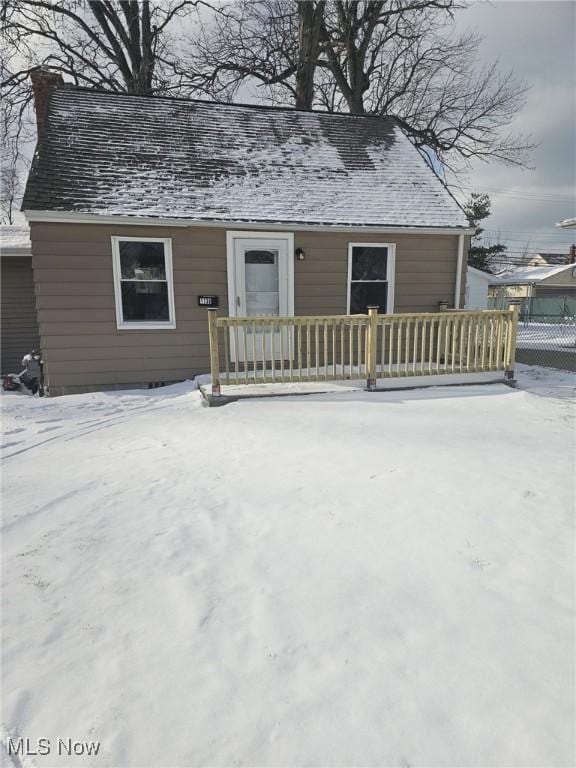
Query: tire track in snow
(102,424)
(52,503)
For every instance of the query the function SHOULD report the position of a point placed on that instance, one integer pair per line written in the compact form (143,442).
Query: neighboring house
(18,323)
(548,260)
(538,260)
(143,210)
(477,284)
(536,283)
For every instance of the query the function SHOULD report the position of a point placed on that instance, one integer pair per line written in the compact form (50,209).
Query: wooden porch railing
(263,350)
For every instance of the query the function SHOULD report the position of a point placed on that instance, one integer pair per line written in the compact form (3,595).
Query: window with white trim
(370,277)
(143,282)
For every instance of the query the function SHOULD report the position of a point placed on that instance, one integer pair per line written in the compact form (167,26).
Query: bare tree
(310,24)
(396,58)
(16,131)
(355,34)
(248,43)
(129,46)
(123,45)
(389,57)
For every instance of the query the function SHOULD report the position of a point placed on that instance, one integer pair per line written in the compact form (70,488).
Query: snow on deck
(342,579)
(237,387)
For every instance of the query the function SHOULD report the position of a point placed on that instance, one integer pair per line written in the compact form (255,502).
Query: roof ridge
(67,87)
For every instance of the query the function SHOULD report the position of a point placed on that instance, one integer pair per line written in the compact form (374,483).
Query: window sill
(145,326)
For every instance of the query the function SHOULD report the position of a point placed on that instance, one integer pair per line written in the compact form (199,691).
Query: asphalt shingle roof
(112,154)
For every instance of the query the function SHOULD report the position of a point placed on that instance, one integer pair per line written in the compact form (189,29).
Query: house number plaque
(207,301)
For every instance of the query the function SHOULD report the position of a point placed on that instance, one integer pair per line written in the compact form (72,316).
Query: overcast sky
(538,41)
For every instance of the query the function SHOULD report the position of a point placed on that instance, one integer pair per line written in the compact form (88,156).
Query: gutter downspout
(459,265)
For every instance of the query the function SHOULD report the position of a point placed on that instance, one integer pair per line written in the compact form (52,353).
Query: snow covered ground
(375,579)
(553,336)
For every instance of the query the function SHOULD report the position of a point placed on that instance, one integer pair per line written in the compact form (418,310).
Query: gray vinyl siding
(83,349)
(425,271)
(566,277)
(554,291)
(18,318)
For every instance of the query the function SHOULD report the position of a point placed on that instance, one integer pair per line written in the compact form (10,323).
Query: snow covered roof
(532,274)
(114,154)
(14,238)
(480,273)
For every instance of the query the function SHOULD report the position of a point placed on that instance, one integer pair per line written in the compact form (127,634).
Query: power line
(534,199)
(544,196)
(513,190)
(540,232)
(553,231)
(531,244)
(524,247)
(535,196)
(521,247)
(527,254)
(519,257)
(522,262)
(518,249)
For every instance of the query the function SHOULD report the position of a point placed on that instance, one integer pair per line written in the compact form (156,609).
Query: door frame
(242,234)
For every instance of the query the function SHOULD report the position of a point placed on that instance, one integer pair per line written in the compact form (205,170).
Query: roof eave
(63,217)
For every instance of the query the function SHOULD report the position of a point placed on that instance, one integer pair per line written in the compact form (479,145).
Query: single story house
(477,284)
(144,211)
(18,321)
(535,283)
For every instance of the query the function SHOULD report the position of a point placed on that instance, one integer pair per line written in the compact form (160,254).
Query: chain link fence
(548,340)
(546,330)
(552,307)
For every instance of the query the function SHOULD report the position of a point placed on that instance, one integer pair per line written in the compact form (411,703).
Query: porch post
(214,353)
(372,332)
(513,327)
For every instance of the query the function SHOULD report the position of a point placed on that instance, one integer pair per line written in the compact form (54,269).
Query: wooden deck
(370,347)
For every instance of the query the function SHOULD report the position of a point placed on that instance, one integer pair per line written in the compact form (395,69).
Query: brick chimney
(43,80)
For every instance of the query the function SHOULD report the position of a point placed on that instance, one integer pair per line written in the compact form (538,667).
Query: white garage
(477,283)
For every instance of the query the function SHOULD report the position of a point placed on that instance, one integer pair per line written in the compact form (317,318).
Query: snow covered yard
(557,336)
(375,579)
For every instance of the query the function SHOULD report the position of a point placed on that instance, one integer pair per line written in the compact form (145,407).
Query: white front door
(260,284)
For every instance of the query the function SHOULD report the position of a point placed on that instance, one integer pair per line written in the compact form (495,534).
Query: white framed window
(143,282)
(371,269)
